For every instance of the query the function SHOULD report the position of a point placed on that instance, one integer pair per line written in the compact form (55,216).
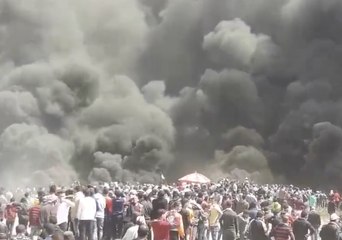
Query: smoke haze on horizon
(119,90)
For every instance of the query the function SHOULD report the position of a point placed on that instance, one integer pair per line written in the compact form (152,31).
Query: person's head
(260,214)
(212,199)
(23,200)
(91,191)
(3,236)
(20,229)
(53,220)
(133,200)
(304,214)
(68,235)
(187,195)
(252,205)
(61,193)
(334,217)
(176,205)
(161,194)
(53,189)
(160,213)
(87,192)
(175,194)
(143,231)
(49,228)
(57,235)
(285,218)
(78,188)
(118,194)
(245,214)
(105,191)
(228,204)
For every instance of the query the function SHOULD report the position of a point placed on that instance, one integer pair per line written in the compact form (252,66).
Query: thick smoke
(119,90)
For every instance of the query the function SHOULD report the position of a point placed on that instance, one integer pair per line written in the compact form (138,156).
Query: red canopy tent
(195,178)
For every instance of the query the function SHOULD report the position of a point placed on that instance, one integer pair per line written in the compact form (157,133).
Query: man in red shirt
(34,218)
(10,215)
(108,220)
(160,227)
(283,231)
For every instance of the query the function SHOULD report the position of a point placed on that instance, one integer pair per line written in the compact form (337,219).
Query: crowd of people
(227,210)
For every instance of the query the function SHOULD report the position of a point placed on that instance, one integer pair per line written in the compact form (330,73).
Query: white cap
(334,217)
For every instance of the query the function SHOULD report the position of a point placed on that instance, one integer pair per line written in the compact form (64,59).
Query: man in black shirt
(158,203)
(301,227)
(332,230)
(228,222)
(315,219)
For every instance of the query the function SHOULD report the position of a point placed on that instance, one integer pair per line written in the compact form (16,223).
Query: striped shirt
(281,232)
(34,216)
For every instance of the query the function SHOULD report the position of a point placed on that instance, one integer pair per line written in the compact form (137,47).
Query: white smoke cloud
(248,161)
(27,149)
(233,43)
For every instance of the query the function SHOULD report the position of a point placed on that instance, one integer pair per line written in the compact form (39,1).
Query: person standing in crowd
(331,206)
(49,206)
(73,212)
(23,206)
(257,228)
(20,230)
(34,218)
(86,215)
(10,215)
(100,213)
(243,220)
(215,214)
(283,230)
(159,203)
(315,220)
(108,220)
(3,229)
(242,205)
(302,228)
(253,210)
(143,232)
(229,222)
(132,232)
(134,208)
(332,230)
(175,219)
(187,215)
(64,206)
(160,227)
(202,223)
(147,205)
(118,214)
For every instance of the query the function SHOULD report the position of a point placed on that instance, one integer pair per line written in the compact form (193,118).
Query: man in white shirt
(100,213)
(132,232)
(78,195)
(86,215)
(63,210)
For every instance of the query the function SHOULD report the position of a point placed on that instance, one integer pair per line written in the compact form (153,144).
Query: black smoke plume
(119,90)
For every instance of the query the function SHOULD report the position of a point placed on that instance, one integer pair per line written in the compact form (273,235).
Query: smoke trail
(115,90)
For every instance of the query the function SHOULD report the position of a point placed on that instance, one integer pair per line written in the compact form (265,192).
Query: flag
(162,176)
